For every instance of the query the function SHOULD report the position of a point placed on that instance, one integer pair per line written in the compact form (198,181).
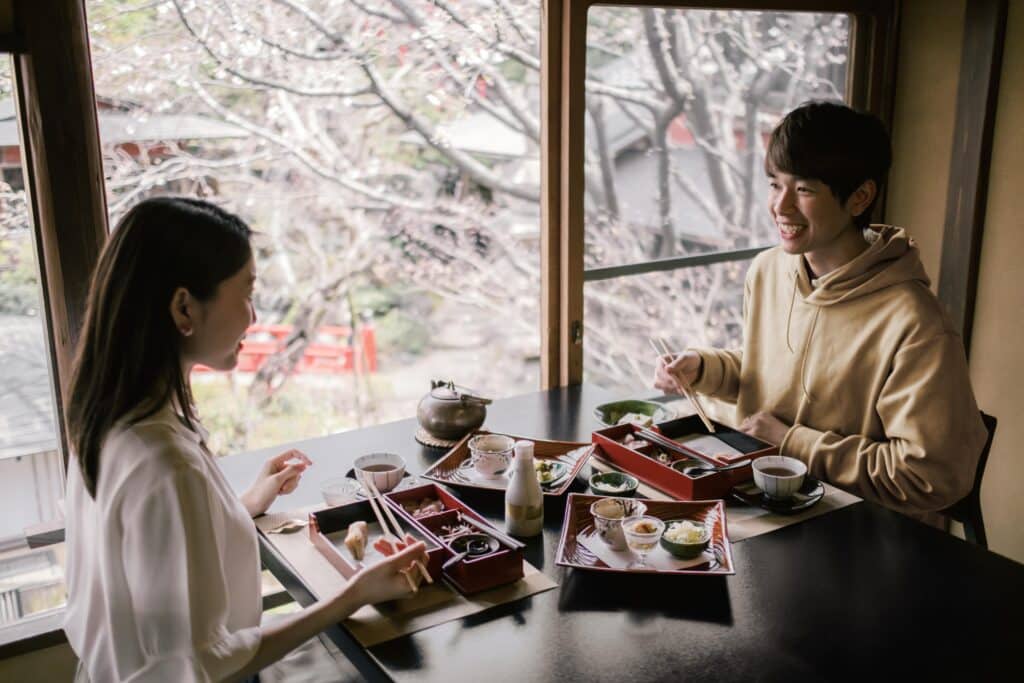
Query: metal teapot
(449,412)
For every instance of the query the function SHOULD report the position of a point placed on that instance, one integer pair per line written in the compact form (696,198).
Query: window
(679,106)
(387,155)
(31,581)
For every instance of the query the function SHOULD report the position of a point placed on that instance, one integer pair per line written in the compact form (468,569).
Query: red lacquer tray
(453,469)
(500,565)
(704,486)
(579,536)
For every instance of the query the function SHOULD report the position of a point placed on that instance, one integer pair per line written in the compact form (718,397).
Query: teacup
(608,514)
(491,454)
(385,470)
(778,476)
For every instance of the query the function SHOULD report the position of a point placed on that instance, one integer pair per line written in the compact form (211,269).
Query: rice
(685,532)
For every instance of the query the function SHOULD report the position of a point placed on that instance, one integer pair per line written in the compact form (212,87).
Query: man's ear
(861,199)
(183,311)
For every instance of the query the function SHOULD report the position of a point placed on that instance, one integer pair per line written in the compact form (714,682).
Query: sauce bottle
(524,502)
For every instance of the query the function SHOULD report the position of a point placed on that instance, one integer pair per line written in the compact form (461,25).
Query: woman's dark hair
(128,361)
(832,143)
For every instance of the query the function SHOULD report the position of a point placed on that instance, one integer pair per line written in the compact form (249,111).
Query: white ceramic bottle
(524,502)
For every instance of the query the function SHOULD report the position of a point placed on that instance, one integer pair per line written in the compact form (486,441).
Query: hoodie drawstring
(803,361)
(807,340)
(789,316)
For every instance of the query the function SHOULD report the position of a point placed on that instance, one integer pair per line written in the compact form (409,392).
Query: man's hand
(278,475)
(766,427)
(675,372)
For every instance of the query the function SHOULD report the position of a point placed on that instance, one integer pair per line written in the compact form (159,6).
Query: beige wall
(997,364)
(55,664)
(922,145)
(928,71)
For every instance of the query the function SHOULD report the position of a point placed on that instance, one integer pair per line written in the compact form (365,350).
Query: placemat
(432,605)
(745,521)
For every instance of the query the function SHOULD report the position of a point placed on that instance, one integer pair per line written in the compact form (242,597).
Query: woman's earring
(186,332)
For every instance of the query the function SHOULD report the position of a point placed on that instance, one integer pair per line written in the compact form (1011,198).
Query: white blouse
(163,567)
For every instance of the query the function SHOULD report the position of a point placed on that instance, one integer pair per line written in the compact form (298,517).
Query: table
(860,593)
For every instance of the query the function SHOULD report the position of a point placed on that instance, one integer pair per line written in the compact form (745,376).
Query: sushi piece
(355,539)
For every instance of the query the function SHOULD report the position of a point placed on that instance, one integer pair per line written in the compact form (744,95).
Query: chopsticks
(684,385)
(671,445)
(375,498)
(491,531)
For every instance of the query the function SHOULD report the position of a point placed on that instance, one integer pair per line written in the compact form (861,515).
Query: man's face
(808,216)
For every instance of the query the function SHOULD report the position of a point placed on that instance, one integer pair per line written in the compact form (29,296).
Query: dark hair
(835,144)
(128,361)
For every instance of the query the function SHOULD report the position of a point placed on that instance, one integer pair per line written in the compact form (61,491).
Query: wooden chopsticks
(374,496)
(687,390)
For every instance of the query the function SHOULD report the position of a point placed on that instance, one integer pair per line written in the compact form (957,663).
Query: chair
(968,510)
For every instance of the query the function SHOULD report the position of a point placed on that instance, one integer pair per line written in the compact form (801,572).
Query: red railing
(330,352)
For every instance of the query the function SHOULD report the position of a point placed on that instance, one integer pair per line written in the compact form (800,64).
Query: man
(848,361)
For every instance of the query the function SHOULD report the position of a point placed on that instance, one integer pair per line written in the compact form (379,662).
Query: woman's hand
(386,580)
(766,427)
(675,372)
(278,475)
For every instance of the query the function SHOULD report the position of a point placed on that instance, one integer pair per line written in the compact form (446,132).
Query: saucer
(408,481)
(810,493)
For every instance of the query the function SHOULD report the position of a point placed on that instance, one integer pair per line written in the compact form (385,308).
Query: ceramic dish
(579,547)
(612,483)
(609,414)
(567,457)
(686,551)
(408,481)
(809,494)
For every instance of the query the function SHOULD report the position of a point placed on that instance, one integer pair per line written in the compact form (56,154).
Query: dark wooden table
(860,593)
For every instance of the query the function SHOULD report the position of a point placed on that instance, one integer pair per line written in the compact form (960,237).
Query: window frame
(870,86)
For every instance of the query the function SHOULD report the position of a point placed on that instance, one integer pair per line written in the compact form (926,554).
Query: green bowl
(609,414)
(684,551)
(599,484)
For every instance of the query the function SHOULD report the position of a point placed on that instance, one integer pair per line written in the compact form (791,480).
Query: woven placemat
(425,438)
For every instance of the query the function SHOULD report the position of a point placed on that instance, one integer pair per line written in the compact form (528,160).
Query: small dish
(614,484)
(681,549)
(340,490)
(407,481)
(809,494)
(610,414)
(385,469)
(778,476)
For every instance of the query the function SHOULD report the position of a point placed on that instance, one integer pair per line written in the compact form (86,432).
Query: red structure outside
(330,353)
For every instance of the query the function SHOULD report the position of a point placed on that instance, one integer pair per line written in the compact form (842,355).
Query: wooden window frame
(870,79)
(63,168)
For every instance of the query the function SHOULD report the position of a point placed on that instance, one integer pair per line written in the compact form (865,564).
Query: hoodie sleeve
(934,434)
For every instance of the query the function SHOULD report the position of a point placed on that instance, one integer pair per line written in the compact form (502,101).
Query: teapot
(449,412)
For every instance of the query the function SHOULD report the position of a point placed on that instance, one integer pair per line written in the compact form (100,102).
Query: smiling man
(848,362)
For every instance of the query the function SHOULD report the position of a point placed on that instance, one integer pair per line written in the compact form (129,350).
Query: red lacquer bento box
(640,458)
(462,547)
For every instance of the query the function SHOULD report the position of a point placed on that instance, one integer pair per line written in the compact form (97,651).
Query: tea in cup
(385,470)
(608,514)
(491,454)
(778,476)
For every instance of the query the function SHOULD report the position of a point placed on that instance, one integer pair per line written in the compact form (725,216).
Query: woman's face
(219,324)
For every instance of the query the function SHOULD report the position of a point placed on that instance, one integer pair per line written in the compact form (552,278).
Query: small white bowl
(776,485)
(385,469)
(339,490)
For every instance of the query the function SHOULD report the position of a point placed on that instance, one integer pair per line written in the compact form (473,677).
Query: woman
(163,566)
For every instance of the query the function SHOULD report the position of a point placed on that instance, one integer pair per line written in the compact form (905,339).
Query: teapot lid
(448,391)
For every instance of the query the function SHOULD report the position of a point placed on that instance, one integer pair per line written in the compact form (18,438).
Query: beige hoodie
(866,367)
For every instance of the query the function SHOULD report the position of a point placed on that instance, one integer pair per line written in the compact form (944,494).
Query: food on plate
(635,418)
(355,539)
(614,488)
(644,527)
(685,532)
(609,508)
(423,507)
(547,470)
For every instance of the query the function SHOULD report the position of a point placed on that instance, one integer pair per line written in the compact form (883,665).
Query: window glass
(680,104)
(31,582)
(388,156)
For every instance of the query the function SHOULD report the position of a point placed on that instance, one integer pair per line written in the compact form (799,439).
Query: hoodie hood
(892,258)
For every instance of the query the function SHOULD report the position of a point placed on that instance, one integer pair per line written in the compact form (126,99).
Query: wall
(997,366)
(928,70)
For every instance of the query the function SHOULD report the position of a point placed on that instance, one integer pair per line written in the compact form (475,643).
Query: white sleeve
(175,574)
